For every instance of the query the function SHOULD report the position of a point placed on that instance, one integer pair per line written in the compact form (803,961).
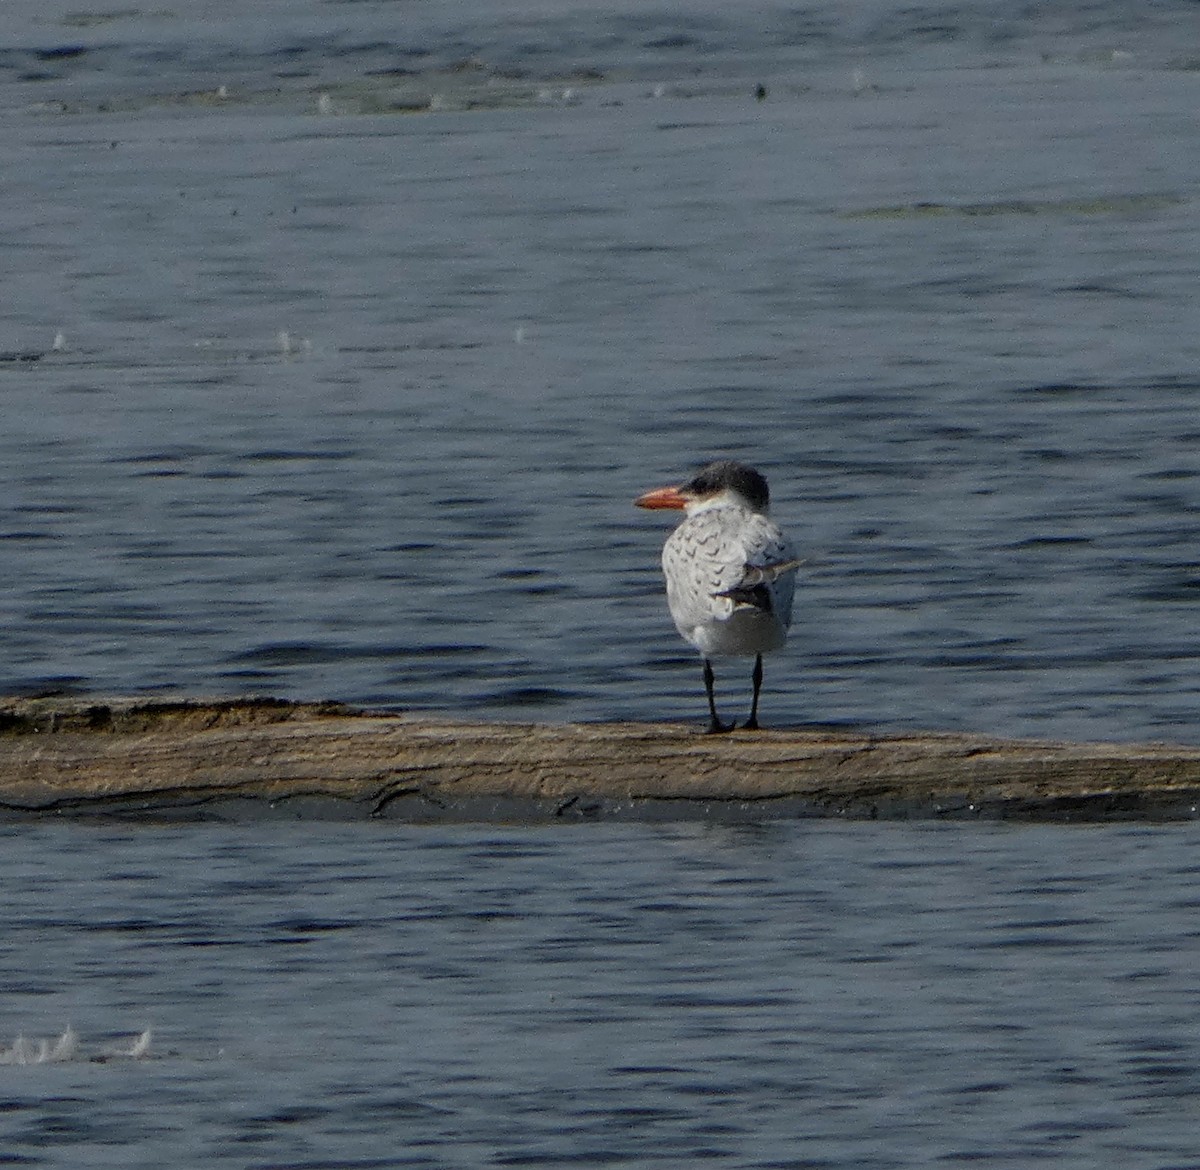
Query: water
(374,318)
(636,996)
(351,400)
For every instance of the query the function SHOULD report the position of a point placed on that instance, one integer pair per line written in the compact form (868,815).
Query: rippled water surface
(372,319)
(336,340)
(810,995)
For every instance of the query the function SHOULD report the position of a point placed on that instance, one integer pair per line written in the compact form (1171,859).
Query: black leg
(715,726)
(751,724)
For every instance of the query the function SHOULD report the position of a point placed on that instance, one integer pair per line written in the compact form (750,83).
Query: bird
(730,571)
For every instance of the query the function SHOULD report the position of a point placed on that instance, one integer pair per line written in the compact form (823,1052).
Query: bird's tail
(751,589)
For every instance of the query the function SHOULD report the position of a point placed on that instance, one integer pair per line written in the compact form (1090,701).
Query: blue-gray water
(817,995)
(374,317)
(597,261)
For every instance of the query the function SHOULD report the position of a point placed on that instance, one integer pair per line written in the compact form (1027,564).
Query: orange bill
(668,497)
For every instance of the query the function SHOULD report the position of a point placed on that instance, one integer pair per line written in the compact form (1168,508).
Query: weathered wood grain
(245,758)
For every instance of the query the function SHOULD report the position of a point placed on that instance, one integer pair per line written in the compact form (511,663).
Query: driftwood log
(244,758)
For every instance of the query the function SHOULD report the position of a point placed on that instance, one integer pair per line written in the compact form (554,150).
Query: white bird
(730,571)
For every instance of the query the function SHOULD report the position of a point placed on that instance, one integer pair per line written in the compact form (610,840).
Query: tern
(730,571)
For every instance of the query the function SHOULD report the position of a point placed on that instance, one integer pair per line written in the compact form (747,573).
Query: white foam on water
(40,1050)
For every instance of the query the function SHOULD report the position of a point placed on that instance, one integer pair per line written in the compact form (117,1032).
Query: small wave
(1083,205)
(39,1050)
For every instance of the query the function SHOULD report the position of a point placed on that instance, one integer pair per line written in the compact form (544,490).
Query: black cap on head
(716,477)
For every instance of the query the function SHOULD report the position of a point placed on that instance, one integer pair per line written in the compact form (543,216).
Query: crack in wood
(103,757)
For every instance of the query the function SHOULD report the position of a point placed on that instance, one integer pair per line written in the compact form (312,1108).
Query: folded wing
(718,561)
(752,588)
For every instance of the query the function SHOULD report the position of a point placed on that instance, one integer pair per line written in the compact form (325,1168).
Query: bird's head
(715,483)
